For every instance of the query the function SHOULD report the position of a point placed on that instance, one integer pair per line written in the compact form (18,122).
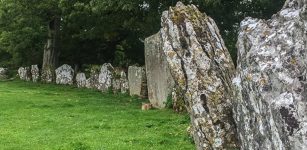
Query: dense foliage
(98,31)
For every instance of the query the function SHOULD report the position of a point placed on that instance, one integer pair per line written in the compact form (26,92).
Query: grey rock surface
(270,104)
(202,67)
(105,77)
(24,73)
(47,75)
(64,75)
(81,80)
(116,80)
(124,82)
(3,73)
(159,79)
(35,73)
(137,81)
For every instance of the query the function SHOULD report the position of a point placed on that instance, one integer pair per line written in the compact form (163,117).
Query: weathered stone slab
(24,73)
(159,79)
(124,82)
(137,81)
(81,80)
(105,77)
(3,73)
(270,106)
(202,67)
(92,81)
(35,73)
(47,75)
(64,75)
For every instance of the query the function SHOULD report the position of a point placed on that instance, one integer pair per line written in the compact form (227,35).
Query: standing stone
(81,80)
(159,78)
(124,82)
(64,75)
(47,75)
(3,73)
(92,81)
(105,77)
(137,81)
(202,67)
(178,99)
(24,73)
(271,82)
(116,80)
(35,73)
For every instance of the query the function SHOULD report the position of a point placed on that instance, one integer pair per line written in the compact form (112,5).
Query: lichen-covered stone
(124,82)
(24,73)
(64,75)
(35,73)
(178,99)
(137,81)
(105,77)
(201,66)
(3,73)
(159,78)
(271,102)
(81,80)
(47,75)
(92,81)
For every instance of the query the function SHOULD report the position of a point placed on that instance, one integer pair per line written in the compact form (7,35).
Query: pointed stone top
(179,4)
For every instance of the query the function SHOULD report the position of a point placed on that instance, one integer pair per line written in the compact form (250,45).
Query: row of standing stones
(107,78)
(260,104)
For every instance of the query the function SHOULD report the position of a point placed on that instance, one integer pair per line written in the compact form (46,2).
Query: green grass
(43,117)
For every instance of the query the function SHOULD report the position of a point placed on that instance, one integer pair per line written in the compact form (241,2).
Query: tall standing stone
(81,80)
(3,73)
(105,77)
(35,73)
(202,67)
(271,81)
(64,75)
(137,81)
(159,79)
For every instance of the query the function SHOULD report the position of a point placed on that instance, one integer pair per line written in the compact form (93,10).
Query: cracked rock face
(24,73)
(105,77)
(35,73)
(201,66)
(3,73)
(271,82)
(81,80)
(64,75)
(137,81)
(159,78)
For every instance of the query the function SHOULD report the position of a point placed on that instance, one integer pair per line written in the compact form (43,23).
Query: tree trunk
(51,50)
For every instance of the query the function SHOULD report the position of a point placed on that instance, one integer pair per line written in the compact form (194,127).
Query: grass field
(43,117)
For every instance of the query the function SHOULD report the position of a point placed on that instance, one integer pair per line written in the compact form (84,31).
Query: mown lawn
(42,117)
